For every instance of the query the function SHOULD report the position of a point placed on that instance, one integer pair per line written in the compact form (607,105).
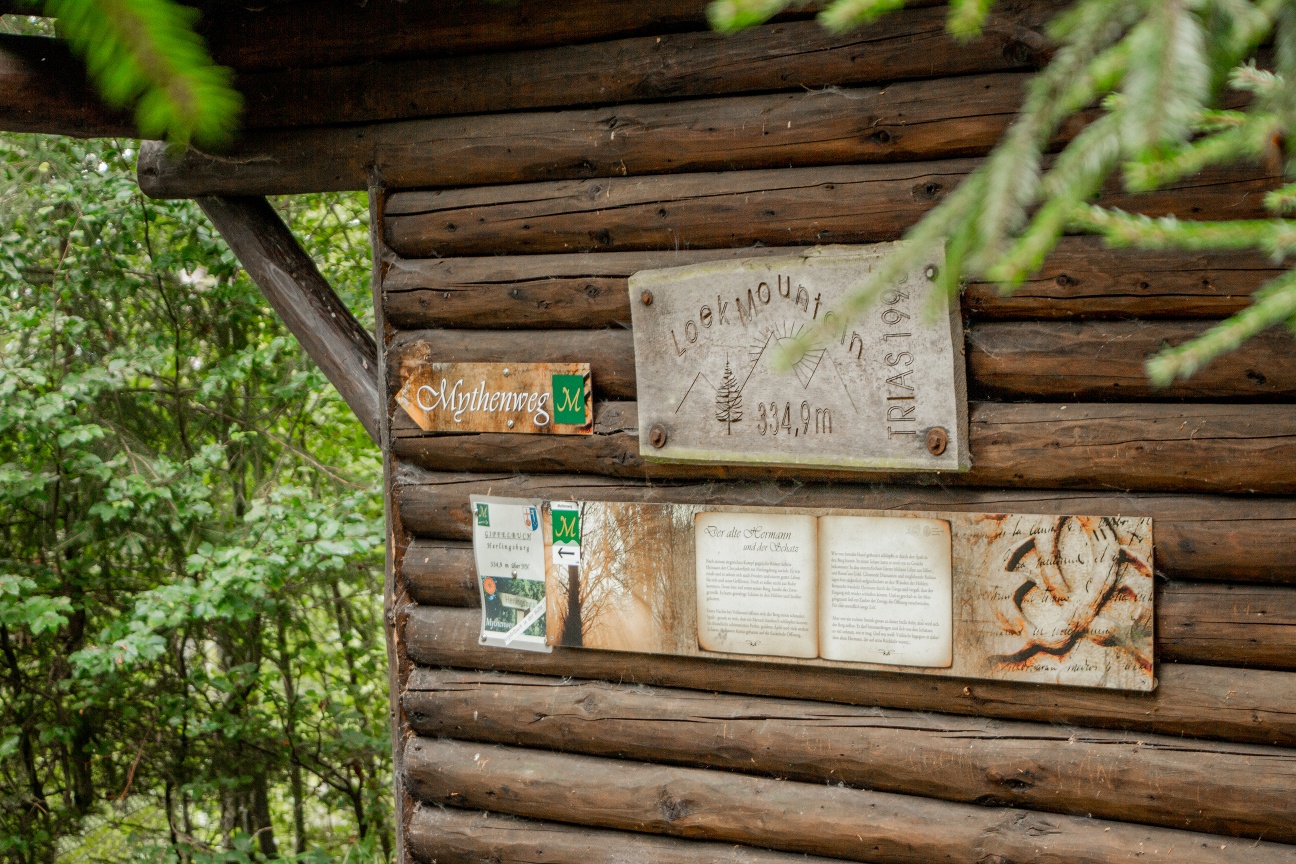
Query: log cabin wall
(521,173)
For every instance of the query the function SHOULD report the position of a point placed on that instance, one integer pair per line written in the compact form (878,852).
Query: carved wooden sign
(538,398)
(885,392)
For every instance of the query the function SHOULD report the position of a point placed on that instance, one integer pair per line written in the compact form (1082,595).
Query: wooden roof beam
(289,279)
(43,89)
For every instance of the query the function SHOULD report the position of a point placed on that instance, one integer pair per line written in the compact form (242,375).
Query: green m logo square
(566,527)
(569,399)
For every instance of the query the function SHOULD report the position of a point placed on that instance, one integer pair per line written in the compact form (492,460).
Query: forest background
(191,657)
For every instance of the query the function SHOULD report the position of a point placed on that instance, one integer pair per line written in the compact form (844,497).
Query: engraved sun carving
(804,359)
(1077,582)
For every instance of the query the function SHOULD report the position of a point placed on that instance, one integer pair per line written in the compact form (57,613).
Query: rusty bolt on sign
(937,440)
(657,436)
(646,298)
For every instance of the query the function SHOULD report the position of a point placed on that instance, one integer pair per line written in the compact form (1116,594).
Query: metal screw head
(657,436)
(937,440)
(931,271)
(510,424)
(646,298)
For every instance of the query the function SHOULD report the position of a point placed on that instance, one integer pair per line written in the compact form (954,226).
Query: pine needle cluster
(1155,80)
(145,55)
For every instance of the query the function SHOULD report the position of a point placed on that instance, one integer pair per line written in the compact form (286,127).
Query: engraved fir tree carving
(728,400)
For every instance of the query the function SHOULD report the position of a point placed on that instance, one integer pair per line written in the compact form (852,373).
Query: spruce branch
(1120,229)
(145,53)
(729,16)
(845,15)
(1274,303)
(1165,92)
(1249,139)
(1282,199)
(1156,70)
(967,17)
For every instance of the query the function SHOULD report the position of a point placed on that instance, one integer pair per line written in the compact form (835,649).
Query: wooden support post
(289,279)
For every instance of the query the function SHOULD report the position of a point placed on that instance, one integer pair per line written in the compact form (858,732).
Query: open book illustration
(853,588)
(1049,599)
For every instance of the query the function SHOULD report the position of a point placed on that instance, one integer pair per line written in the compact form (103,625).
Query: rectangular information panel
(509,551)
(884,392)
(1046,599)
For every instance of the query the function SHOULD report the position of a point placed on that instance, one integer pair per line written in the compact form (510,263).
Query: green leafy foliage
(145,54)
(191,657)
(1157,78)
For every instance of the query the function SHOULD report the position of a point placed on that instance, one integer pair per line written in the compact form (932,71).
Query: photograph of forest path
(191,655)
(626,595)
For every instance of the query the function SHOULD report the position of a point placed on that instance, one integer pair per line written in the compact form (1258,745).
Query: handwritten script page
(756,584)
(886,590)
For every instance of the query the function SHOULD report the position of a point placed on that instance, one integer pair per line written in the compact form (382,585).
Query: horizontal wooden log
(1211,623)
(789,55)
(1209,702)
(901,122)
(330,32)
(43,89)
(1053,360)
(792,206)
(1105,360)
(443,835)
(1248,624)
(1197,537)
(1232,789)
(440,572)
(836,821)
(1149,447)
(1081,280)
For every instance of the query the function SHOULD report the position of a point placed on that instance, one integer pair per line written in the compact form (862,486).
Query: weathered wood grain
(43,89)
(443,835)
(440,573)
(1090,360)
(901,122)
(780,56)
(1216,448)
(1231,789)
(792,206)
(837,821)
(329,32)
(1209,702)
(1213,623)
(1084,279)
(1250,624)
(1081,280)
(289,280)
(1040,360)
(1248,539)
(1151,447)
